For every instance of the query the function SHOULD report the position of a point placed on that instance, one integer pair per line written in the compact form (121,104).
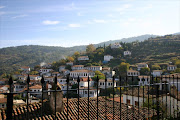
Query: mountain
(11,58)
(131,39)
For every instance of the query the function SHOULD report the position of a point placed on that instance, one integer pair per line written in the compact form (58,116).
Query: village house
(127,53)
(36,90)
(44,70)
(3,81)
(19,87)
(25,69)
(65,72)
(22,78)
(83,92)
(69,63)
(77,67)
(46,65)
(62,80)
(157,73)
(171,67)
(133,73)
(108,57)
(49,79)
(3,102)
(109,83)
(94,68)
(64,88)
(62,67)
(4,88)
(115,45)
(55,74)
(143,80)
(81,73)
(83,58)
(142,65)
(172,80)
(84,82)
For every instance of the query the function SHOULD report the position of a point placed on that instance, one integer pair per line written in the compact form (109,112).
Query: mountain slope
(12,58)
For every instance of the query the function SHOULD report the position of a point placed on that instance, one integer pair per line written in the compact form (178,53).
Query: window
(128,101)
(86,92)
(136,103)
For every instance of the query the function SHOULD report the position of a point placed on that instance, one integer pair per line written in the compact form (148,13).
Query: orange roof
(25,67)
(35,87)
(78,66)
(82,71)
(3,100)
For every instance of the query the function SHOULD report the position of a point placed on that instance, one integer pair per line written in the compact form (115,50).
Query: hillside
(149,50)
(14,57)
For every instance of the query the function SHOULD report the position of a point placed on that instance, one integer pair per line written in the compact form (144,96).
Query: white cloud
(79,14)
(74,25)
(2,7)
(48,22)
(99,21)
(124,7)
(19,16)
(2,13)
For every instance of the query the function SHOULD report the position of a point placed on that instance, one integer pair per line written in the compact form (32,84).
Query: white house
(34,77)
(25,69)
(19,87)
(4,88)
(44,70)
(127,53)
(171,67)
(83,92)
(46,65)
(94,68)
(3,81)
(115,45)
(84,82)
(77,67)
(142,65)
(69,63)
(81,73)
(157,73)
(65,72)
(127,99)
(55,74)
(109,83)
(108,57)
(35,90)
(62,80)
(173,81)
(82,58)
(22,78)
(144,80)
(49,79)
(133,73)
(64,88)
(62,67)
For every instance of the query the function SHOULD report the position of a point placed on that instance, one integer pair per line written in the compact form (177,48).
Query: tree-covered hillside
(14,57)
(154,50)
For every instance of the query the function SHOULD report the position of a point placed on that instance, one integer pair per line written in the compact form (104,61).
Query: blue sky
(81,22)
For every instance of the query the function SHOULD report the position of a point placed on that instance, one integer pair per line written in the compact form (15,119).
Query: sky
(69,23)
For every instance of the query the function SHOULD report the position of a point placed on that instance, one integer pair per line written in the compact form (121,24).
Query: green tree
(99,74)
(156,67)
(34,72)
(123,67)
(76,54)
(177,70)
(70,59)
(145,71)
(90,48)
